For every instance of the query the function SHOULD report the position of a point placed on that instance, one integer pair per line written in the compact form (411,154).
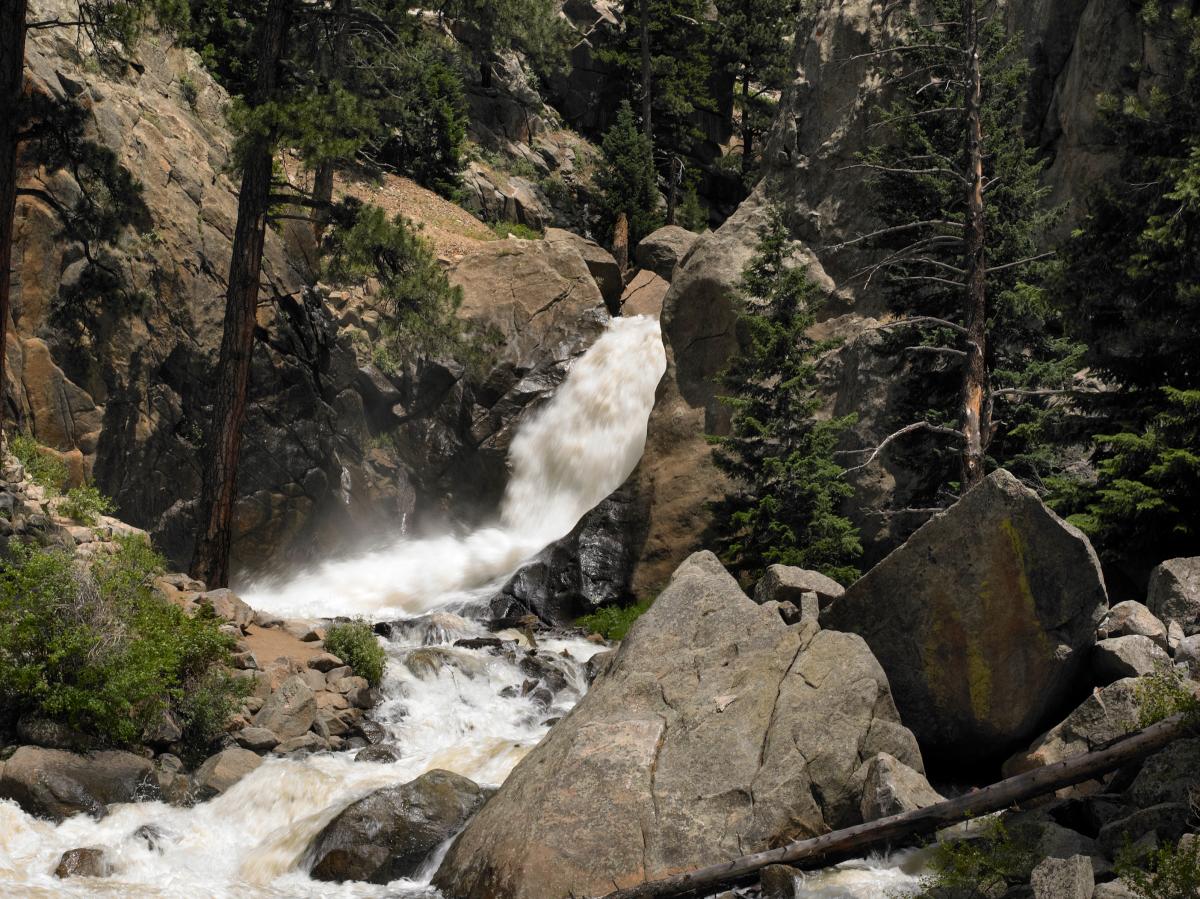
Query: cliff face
(1077,50)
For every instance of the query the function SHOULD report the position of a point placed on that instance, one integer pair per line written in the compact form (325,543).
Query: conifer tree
(627,180)
(964,216)
(786,506)
(532,27)
(1131,290)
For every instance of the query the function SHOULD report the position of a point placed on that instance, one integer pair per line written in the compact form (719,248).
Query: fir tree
(786,508)
(532,27)
(1131,289)
(626,180)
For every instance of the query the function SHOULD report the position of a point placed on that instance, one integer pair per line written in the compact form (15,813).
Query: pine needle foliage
(627,177)
(786,508)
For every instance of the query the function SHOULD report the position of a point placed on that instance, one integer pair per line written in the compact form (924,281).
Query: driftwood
(903,827)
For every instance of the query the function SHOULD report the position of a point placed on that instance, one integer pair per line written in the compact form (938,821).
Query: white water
(250,842)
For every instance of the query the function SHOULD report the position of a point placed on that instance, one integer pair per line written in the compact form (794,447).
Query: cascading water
(457,711)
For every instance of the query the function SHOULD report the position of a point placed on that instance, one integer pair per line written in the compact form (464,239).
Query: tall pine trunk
(647,70)
(12,86)
(747,128)
(323,177)
(620,243)
(219,492)
(974,413)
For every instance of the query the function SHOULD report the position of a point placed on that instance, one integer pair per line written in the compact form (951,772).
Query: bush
(98,649)
(85,505)
(1164,694)
(982,867)
(613,622)
(516,229)
(1172,872)
(44,470)
(354,643)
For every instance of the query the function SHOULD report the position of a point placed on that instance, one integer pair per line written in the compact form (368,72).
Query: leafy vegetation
(99,650)
(85,504)
(516,229)
(1164,694)
(982,867)
(1169,872)
(787,504)
(40,467)
(613,622)
(354,642)
(627,179)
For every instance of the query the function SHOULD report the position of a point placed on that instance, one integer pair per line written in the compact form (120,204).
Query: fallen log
(856,840)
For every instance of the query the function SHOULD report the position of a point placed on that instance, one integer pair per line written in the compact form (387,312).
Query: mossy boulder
(983,621)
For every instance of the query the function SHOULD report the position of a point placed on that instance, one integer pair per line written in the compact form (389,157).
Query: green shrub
(1166,693)
(354,643)
(206,707)
(44,470)
(191,93)
(982,867)
(98,649)
(85,505)
(613,622)
(1172,872)
(516,229)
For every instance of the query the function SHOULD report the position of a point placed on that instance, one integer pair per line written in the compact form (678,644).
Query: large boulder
(1174,593)
(54,784)
(1129,656)
(390,832)
(290,711)
(891,787)
(717,730)
(599,261)
(1129,618)
(786,583)
(223,770)
(662,250)
(644,295)
(983,620)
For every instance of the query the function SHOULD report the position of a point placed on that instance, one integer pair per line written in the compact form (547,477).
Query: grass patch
(355,644)
(1164,694)
(43,469)
(613,622)
(516,229)
(97,649)
(85,505)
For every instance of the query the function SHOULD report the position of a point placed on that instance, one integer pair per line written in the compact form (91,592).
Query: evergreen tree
(626,180)
(779,454)
(1131,290)
(532,27)
(964,217)
(754,46)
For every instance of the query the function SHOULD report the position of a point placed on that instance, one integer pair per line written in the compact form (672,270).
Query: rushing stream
(459,714)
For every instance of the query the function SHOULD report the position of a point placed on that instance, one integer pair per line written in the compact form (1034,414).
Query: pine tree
(626,180)
(532,27)
(1131,290)
(753,44)
(790,488)
(964,218)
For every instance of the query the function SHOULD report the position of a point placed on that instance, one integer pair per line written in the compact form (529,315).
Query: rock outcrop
(716,730)
(1175,593)
(54,784)
(662,250)
(388,834)
(983,620)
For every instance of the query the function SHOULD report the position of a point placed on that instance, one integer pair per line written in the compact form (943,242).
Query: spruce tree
(627,180)
(532,27)
(790,488)
(1131,290)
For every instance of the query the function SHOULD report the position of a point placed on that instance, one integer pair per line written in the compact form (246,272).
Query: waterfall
(463,716)
(572,454)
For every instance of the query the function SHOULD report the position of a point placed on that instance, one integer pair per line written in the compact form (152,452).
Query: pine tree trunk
(620,243)
(672,189)
(219,492)
(647,71)
(747,128)
(322,197)
(975,404)
(12,85)
(323,177)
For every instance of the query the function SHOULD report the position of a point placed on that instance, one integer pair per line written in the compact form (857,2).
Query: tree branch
(923,320)
(891,438)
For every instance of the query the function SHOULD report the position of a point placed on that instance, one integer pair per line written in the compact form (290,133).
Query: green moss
(613,622)
(516,229)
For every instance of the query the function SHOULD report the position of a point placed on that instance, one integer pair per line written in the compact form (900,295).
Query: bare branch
(890,438)
(911,226)
(1025,261)
(903,171)
(922,320)
(944,350)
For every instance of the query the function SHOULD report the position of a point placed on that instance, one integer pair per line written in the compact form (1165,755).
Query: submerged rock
(716,730)
(983,620)
(83,863)
(389,833)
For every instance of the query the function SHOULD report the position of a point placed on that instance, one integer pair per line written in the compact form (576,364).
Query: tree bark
(975,404)
(12,87)
(647,70)
(335,62)
(747,128)
(620,243)
(854,841)
(673,188)
(219,492)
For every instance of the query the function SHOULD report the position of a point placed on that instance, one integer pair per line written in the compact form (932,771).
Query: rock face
(891,787)
(983,619)
(54,784)
(1063,878)
(785,583)
(716,730)
(1131,618)
(1130,656)
(600,262)
(1175,593)
(388,834)
(644,295)
(662,250)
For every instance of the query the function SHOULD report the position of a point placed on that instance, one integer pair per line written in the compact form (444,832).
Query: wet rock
(290,710)
(256,739)
(644,295)
(784,583)
(662,250)
(1130,618)
(389,833)
(223,770)
(382,753)
(891,787)
(718,730)
(83,863)
(1063,878)
(54,784)
(983,620)
(778,882)
(155,836)
(1174,593)
(303,744)
(1130,656)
